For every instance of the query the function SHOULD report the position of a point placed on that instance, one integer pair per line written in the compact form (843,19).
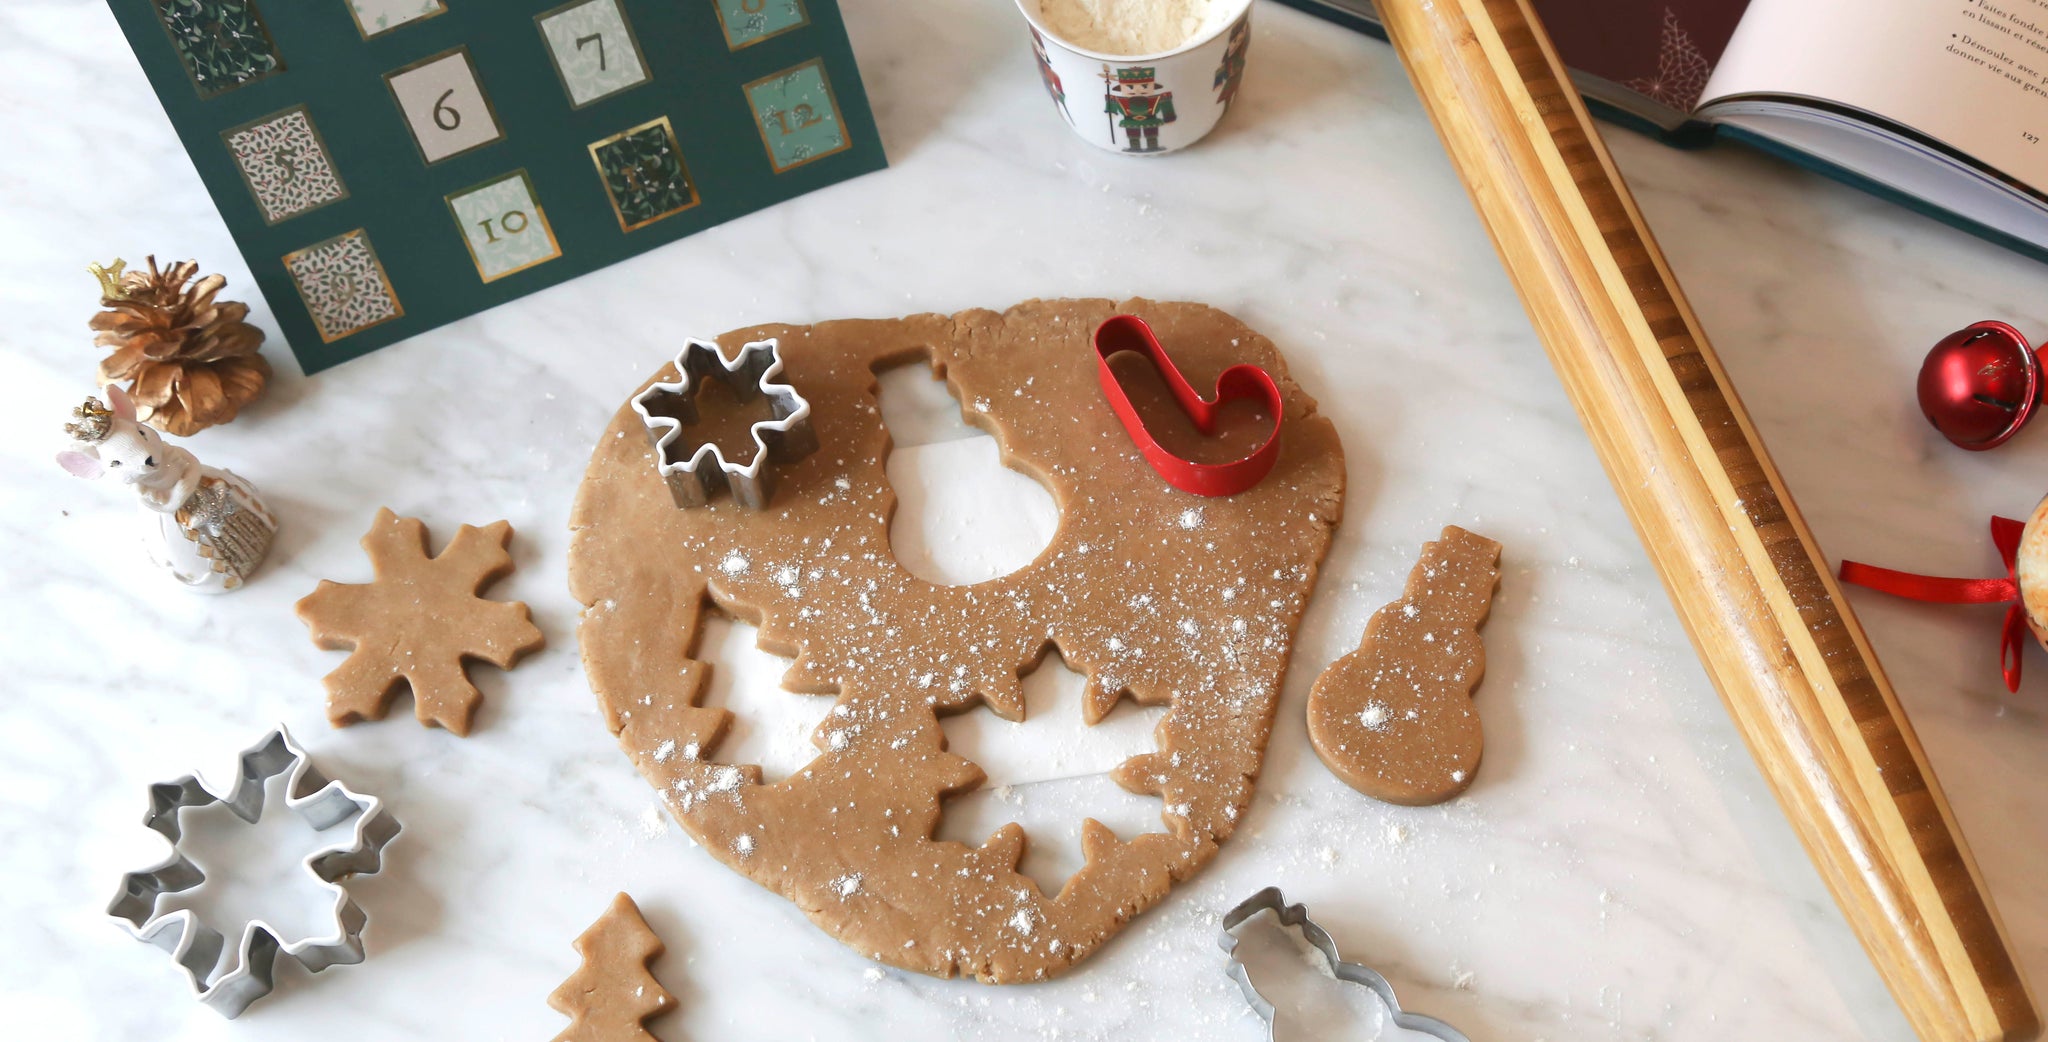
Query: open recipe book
(1939,105)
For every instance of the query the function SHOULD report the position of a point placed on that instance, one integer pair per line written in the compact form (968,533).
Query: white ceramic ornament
(2030,571)
(204,525)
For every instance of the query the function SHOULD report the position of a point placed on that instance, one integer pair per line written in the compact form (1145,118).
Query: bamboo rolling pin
(1764,613)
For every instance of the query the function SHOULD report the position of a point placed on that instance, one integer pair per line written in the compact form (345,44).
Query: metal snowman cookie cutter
(195,946)
(692,479)
(1270,899)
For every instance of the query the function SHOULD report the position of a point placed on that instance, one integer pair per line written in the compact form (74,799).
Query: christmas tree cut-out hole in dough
(1050,772)
(962,517)
(771,727)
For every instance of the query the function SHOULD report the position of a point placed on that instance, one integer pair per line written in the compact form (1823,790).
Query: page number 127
(2032,139)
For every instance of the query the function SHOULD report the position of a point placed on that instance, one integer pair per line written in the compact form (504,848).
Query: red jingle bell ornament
(1980,384)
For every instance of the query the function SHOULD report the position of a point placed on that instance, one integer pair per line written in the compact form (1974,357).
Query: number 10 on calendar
(503,225)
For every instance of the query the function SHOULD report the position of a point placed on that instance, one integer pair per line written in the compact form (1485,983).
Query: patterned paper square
(444,105)
(797,117)
(223,43)
(504,226)
(644,174)
(285,164)
(377,17)
(343,284)
(748,22)
(594,49)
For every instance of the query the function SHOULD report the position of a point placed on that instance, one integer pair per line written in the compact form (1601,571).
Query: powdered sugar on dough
(1373,716)
(1197,617)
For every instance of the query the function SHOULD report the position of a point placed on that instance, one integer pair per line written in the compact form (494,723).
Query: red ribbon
(2005,534)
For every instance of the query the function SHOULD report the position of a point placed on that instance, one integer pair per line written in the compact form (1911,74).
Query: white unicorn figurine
(208,527)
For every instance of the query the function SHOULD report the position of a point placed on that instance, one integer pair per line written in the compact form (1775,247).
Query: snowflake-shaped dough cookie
(418,622)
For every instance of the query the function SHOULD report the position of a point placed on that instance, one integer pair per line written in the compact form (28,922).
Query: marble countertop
(1619,871)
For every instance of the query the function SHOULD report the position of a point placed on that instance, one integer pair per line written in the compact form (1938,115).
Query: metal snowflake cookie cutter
(785,439)
(195,946)
(1270,899)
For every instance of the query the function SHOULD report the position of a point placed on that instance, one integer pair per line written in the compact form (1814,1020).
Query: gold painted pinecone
(193,359)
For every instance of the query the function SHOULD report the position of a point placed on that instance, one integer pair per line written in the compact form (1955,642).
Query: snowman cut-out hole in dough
(962,517)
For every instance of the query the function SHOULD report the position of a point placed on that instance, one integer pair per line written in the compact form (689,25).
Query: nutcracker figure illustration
(1230,74)
(1053,86)
(1137,103)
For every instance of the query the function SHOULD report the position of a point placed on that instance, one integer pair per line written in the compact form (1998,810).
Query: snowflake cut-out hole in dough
(1051,772)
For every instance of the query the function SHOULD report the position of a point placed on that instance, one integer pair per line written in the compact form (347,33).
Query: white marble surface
(1618,872)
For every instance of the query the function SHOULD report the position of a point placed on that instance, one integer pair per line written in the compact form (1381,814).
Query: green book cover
(388,166)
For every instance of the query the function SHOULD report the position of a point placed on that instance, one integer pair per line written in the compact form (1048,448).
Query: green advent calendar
(387,166)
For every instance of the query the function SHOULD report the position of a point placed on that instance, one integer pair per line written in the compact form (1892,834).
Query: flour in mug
(1128,27)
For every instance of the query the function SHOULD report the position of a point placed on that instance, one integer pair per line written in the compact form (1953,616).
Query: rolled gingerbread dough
(1154,594)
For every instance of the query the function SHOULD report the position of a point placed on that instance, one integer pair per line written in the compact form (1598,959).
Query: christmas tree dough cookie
(1394,719)
(613,994)
(418,623)
(1152,593)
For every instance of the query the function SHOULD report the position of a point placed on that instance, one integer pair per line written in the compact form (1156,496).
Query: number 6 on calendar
(444,105)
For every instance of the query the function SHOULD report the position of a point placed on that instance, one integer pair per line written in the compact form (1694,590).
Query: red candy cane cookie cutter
(1121,333)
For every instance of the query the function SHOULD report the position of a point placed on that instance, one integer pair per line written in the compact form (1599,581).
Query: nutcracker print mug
(1148,104)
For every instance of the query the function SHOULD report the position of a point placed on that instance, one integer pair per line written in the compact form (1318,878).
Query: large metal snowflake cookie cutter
(786,438)
(1271,900)
(195,946)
